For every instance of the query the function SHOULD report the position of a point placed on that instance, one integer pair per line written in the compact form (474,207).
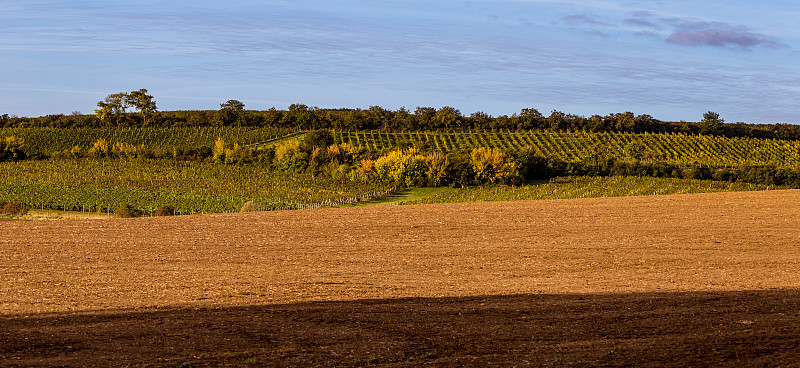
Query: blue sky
(670,59)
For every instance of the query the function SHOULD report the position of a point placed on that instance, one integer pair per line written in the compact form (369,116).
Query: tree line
(113,111)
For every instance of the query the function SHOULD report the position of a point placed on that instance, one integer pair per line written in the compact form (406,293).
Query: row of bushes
(126,210)
(303,117)
(537,167)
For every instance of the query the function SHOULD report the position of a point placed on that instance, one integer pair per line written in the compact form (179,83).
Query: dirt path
(646,251)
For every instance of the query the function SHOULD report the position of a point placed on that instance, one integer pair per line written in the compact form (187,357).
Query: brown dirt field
(697,280)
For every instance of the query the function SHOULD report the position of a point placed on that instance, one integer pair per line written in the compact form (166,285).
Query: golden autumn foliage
(493,165)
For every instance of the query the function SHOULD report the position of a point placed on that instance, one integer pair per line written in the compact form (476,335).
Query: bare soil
(686,280)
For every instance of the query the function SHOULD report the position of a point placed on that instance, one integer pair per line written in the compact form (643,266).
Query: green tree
(595,123)
(621,122)
(321,138)
(380,118)
(142,102)
(233,105)
(446,117)
(480,120)
(529,119)
(300,116)
(230,113)
(557,120)
(113,105)
(405,119)
(424,117)
(711,123)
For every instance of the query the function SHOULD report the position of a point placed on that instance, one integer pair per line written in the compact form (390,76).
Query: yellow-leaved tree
(402,167)
(493,166)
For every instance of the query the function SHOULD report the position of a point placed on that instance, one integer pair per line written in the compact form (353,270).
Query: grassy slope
(587,187)
(402,196)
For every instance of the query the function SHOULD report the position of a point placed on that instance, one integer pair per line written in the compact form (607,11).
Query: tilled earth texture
(684,280)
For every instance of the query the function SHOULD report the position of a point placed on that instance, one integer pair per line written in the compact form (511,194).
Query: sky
(673,59)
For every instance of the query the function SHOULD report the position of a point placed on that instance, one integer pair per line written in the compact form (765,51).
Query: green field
(196,187)
(587,187)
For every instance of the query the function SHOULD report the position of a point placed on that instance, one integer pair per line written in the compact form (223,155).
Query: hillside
(186,170)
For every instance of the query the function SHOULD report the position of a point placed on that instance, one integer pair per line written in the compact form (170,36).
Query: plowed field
(697,280)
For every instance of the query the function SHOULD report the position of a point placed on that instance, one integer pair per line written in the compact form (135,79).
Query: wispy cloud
(487,55)
(685,32)
(642,23)
(718,35)
(582,20)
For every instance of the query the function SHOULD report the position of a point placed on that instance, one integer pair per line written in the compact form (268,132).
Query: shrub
(437,168)
(363,171)
(238,155)
(250,206)
(128,211)
(13,209)
(100,148)
(165,211)
(289,157)
(493,166)
(122,149)
(319,138)
(218,152)
(11,149)
(406,168)
(341,172)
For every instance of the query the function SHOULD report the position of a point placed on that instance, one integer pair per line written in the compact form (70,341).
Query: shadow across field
(747,328)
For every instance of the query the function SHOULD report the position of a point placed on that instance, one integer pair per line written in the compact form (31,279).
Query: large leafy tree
(302,116)
(118,103)
(711,123)
(529,118)
(447,117)
(425,116)
(231,113)
(142,102)
(113,105)
(232,105)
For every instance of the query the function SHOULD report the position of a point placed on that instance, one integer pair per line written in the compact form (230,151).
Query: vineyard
(104,185)
(282,177)
(575,146)
(45,141)
(673,148)
(588,187)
